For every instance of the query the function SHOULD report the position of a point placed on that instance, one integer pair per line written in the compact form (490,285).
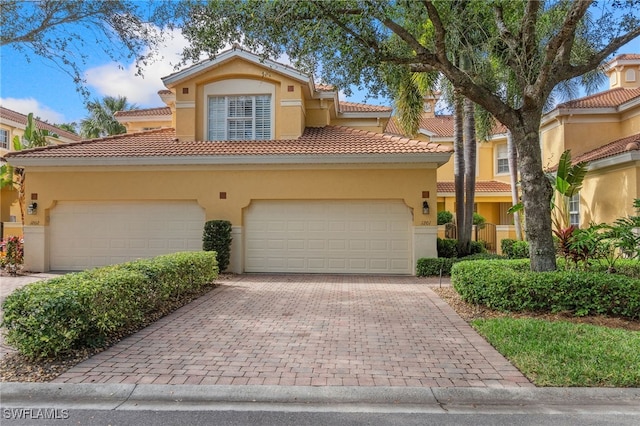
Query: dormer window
(239,117)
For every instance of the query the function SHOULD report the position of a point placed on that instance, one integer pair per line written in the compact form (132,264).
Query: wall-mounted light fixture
(32,208)
(425,207)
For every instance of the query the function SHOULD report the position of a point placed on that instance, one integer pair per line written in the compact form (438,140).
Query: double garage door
(279,236)
(84,235)
(328,236)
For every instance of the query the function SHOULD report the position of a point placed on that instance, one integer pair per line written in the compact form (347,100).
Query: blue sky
(39,86)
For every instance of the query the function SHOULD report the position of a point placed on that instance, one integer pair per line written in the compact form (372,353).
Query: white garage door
(89,234)
(328,236)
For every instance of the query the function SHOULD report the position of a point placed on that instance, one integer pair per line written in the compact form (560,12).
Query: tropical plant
(566,182)
(101,120)
(445,217)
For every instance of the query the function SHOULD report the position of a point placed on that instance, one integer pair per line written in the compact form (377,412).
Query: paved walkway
(307,330)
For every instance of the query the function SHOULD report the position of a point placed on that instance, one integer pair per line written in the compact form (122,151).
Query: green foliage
(86,309)
(445,217)
(448,247)
(428,267)
(217,237)
(478,220)
(511,286)
(101,120)
(514,249)
(566,182)
(560,353)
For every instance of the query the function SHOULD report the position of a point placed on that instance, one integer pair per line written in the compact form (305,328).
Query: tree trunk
(513,175)
(458,171)
(536,193)
(469,132)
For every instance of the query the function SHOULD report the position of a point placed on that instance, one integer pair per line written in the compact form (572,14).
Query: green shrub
(429,267)
(447,247)
(217,237)
(515,249)
(86,309)
(477,247)
(445,217)
(511,286)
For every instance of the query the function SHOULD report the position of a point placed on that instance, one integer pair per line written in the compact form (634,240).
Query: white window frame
(237,87)
(502,156)
(630,75)
(241,117)
(4,138)
(574,210)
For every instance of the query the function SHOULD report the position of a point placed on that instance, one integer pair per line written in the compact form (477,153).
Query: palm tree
(101,121)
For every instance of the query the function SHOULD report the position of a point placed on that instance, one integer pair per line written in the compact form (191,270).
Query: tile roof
(144,112)
(608,99)
(625,56)
(630,143)
(329,140)
(440,126)
(16,117)
(481,186)
(357,107)
(325,88)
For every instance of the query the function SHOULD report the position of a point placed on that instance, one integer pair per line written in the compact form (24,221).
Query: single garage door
(328,237)
(89,234)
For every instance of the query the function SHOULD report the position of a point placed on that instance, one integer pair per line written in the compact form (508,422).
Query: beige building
(310,183)
(12,124)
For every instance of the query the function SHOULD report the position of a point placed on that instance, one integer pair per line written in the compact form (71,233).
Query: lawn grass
(558,353)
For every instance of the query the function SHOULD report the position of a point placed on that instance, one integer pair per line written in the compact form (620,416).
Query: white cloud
(117,80)
(27,105)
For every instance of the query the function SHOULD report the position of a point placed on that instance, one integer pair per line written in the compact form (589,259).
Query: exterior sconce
(425,207)
(32,208)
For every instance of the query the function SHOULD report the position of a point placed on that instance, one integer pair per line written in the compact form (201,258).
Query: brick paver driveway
(307,330)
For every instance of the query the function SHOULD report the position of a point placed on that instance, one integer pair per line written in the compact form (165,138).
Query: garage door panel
(328,236)
(89,234)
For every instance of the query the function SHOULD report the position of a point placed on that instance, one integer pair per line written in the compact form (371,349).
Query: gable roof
(486,186)
(328,144)
(21,120)
(236,52)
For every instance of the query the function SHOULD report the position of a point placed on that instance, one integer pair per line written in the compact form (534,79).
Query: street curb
(201,397)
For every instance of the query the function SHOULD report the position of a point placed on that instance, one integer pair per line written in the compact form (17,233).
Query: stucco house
(310,183)
(12,124)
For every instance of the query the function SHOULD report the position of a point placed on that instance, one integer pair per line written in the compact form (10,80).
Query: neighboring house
(309,183)
(13,124)
(603,129)
(493,189)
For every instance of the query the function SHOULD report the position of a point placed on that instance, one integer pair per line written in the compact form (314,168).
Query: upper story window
(502,159)
(630,75)
(4,139)
(574,210)
(239,117)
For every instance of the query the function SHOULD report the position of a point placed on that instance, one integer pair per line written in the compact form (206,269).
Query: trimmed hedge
(86,309)
(217,237)
(428,267)
(510,286)
(515,249)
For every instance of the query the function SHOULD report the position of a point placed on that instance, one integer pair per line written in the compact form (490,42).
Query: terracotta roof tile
(22,119)
(626,56)
(327,140)
(613,148)
(608,99)
(481,186)
(357,107)
(144,112)
(325,88)
(440,126)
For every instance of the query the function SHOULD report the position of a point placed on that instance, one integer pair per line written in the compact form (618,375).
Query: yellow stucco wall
(608,194)
(242,185)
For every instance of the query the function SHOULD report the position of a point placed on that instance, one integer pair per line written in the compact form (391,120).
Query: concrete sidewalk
(325,398)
